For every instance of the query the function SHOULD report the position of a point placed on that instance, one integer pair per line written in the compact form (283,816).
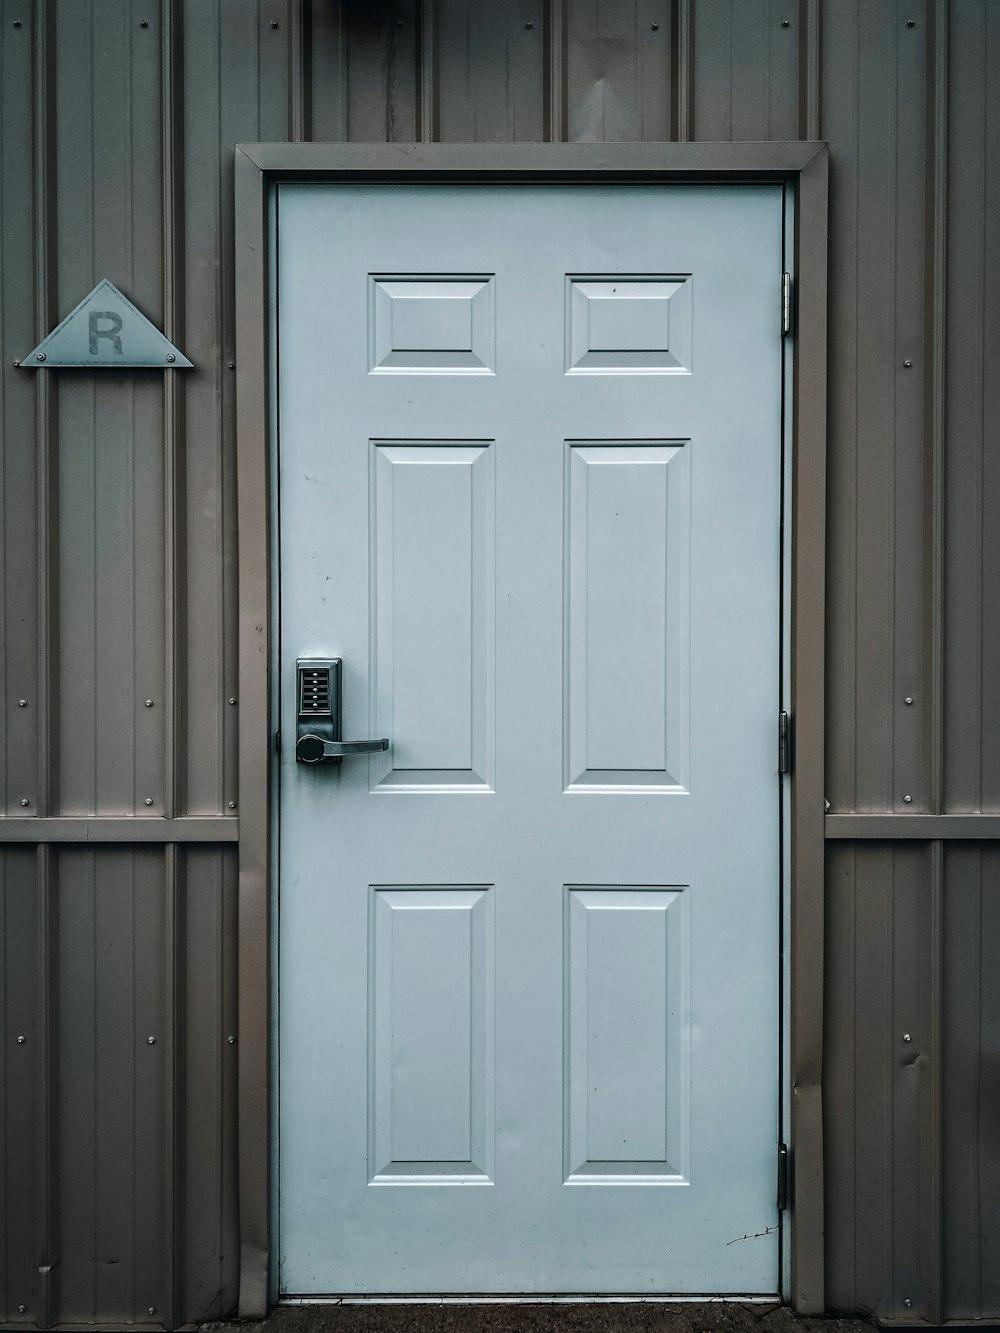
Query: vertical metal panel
(18,480)
(874,115)
(493,56)
(746,75)
(207,1121)
(972,524)
(617,70)
(972,1061)
(111,1077)
(20,1052)
(879,1076)
(109,521)
(365,63)
(235,69)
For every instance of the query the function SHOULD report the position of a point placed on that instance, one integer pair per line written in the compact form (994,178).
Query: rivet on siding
(910,23)
(151,1310)
(907,365)
(232,1040)
(907,1302)
(17,24)
(655,27)
(149,800)
(22,703)
(150,1041)
(907,1037)
(232,805)
(231,364)
(171,357)
(20,1041)
(25,801)
(907,799)
(232,701)
(149,703)
(274,23)
(784,23)
(529,25)
(17,365)
(908,699)
(21,1308)
(39,356)
(144,23)
(400,23)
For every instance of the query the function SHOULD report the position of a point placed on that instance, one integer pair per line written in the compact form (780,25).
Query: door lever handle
(312,749)
(319,712)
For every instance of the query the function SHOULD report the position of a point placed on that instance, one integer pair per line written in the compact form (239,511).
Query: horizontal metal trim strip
(772,160)
(972,828)
(127,828)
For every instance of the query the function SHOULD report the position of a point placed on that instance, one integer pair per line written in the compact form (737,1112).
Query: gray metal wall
(116,142)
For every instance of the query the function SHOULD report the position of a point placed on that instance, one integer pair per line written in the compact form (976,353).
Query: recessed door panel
(529,479)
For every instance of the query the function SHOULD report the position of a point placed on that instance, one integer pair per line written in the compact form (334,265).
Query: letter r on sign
(112,332)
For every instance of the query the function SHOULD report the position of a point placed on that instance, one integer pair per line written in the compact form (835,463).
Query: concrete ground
(638,1317)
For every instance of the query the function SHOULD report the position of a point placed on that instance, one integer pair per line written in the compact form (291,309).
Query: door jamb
(803,168)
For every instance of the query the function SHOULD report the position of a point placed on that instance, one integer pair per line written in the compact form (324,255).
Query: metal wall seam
(44,117)
(555,38)
(811,66)
(171,150)
(46,1086)
(682,35)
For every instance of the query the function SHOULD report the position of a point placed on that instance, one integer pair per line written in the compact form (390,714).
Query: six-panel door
(529,456)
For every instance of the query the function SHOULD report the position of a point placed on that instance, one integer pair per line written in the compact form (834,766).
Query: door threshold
(566,1298)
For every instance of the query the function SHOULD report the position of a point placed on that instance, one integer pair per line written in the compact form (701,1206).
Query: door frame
(802,167)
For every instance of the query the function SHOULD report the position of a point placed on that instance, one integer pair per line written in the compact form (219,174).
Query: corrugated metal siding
(119,578)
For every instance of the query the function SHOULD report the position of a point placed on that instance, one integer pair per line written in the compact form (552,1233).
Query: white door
(529,494)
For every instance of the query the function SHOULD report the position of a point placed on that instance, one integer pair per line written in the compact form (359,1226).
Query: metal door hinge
(786,304)
(784,742)
(784,1172)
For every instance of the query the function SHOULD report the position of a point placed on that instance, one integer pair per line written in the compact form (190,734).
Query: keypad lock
(319,684)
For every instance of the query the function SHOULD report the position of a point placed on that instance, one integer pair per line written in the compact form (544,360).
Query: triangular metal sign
(105,332)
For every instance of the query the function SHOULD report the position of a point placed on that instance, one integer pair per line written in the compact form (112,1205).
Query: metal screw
(231,364)
(784,23)
(20,1041)
(232,700)
(149,703)
(907,365)
(529,25)
(274,23)
(655,27)
(150,1041)
(17,365)
(908,1302)
(25,801)
(144,23)
(908,699)
(151,1310)
(17,24)
(149,800)
(22,703)
(21,1308)
(171,357)
(907,1037)
(910,23)
(231,1040)
(39,356)
(907,799)
(232,805)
